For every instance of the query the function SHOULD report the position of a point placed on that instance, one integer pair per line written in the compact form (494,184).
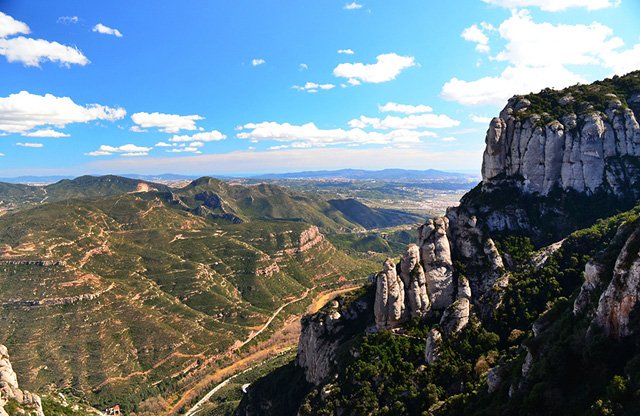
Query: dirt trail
(254,359)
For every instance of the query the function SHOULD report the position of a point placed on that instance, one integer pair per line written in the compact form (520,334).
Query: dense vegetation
(385,373)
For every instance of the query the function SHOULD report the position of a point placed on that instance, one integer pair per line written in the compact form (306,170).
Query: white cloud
(189,149)
(258,61)
(411,122)
(24,111)
(10,26)
(167,123)
(449,139)
(163,144)
(387,68)
(303,67)
(352,6)
(346,51)
(124,150)
(476,35)
(513,80)
(32,145)
(137,129)
(392,107)
(480,119)
(313,87)
(2,154)
(32,52)
(539,55)
(45,133)
(205,136)
(311,135)
(106,30)
(68,20)
(555,5)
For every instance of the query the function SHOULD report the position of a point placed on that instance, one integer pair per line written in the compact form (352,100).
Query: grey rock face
(389,306)
(432,348)
(456,316)
(623,293)
(435,251)
(494,379)
(415,283)
(322,333)
(9,388)
(580,152)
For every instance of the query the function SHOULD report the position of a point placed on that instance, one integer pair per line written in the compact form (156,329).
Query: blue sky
(231,87)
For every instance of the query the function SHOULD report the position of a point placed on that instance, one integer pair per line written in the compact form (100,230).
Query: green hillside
(124,297)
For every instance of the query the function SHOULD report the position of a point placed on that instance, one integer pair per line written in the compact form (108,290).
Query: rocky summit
(523,300)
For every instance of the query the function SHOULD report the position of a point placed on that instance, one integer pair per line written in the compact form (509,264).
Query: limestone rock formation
(415,283)
(456,316)
(323,333)
(432,348)
(580,152)
(435,251)
(389,306)
(622,295)
(9,389)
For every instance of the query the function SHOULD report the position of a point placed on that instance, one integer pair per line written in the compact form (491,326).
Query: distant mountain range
(361,174)
(350,174)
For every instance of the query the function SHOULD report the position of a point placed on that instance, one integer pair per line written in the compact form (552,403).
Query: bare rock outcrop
(9,389)
(324,332)
(432,348)
(581,152)
(622,295)
(415,283)
(456,316)
(435,253)
(389,306)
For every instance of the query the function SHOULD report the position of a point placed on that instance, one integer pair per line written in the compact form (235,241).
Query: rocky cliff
(501,306)
(563,157)
(11,394)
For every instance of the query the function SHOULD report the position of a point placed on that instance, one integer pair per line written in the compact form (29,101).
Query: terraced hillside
(128,296)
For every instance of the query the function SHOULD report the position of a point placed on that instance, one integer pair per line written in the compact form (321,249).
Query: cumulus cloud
(303,67)
(513,80)
(311,135)
(24,111)
(124,150)
(10,26)
(346,51)
(45,133)
(205,137)
(106,30)
(258,61)
(449,139)
(476,35)
(555,5)
(539,55)
(32,145)
(352,6)
(392,107)
(32,52)
(167,123)
(412,122)
(387,68)
(313,87)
